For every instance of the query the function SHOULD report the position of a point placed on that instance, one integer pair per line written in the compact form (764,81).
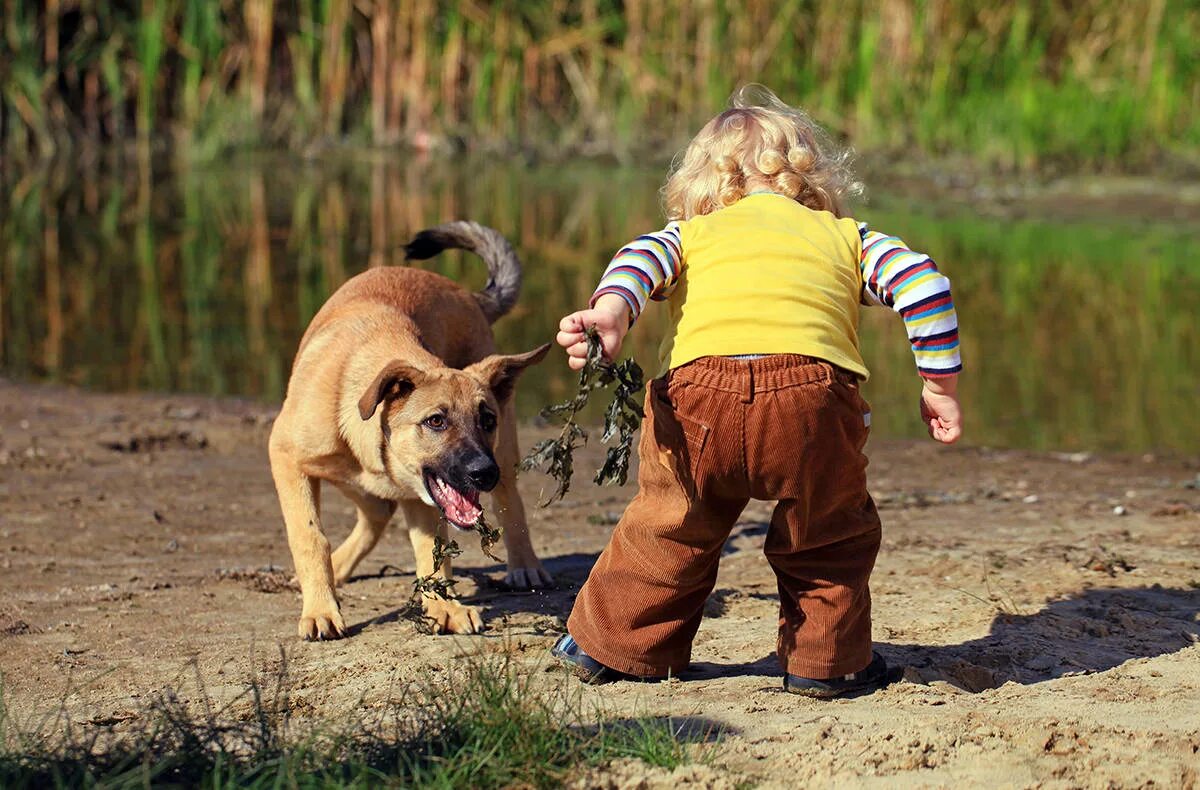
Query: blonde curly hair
(763,141)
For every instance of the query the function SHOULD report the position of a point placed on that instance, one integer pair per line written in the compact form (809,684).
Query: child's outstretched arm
(909,283)
(611,318)
(646,268)
(940,410)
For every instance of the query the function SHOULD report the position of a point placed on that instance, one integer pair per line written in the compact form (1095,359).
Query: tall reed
(1016,84)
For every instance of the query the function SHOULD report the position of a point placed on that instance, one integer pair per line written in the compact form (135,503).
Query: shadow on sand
(1091,631)
(497,600)
(684,729)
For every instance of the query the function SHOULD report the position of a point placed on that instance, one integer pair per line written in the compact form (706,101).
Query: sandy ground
(1041,608)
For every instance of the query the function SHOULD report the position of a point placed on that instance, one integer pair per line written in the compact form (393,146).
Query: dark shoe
(588,669)
(871,678)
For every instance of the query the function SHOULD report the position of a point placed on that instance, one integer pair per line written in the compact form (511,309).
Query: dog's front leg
(373,517)
(525,570)
(300,499)
(425,525)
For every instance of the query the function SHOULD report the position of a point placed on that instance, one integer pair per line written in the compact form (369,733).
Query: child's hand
(940,410)
(610,317)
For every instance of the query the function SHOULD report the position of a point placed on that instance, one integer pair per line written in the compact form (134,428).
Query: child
(758,399)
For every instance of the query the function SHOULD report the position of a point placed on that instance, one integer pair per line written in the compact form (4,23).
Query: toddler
(758,398)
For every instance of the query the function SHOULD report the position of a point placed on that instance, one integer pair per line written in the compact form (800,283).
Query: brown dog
(398,398)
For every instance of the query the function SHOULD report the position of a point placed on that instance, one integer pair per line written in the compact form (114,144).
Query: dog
(398,398)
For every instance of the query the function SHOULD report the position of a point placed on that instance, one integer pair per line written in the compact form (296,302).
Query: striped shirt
(649,267)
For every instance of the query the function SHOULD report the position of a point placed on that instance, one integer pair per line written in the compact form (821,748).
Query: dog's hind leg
(300,499)
(525,570)
(425,525)
(373,517)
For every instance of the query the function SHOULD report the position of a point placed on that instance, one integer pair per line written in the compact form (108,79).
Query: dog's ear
(500,372)
(396,380)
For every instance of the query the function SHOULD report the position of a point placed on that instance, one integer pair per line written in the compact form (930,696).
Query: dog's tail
(504,270)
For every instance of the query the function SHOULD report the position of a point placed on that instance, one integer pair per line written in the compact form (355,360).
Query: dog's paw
(451,617)
(529,578)
(322,625)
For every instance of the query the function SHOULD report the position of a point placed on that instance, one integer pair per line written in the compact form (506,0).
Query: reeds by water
(205,281)
(1013,84)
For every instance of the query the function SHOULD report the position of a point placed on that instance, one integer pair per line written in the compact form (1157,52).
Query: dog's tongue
(462,510)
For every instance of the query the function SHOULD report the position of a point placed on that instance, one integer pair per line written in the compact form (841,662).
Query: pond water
(1077,335)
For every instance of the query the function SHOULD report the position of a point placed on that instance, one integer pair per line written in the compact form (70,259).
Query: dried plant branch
(488,537)
(435,585)
(621,419)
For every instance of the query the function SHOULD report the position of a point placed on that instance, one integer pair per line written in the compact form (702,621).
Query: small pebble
(1029,500)
(1120,510)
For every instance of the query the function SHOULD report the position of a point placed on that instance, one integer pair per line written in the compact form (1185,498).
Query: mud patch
(267,579)
(155,442)
(11,625)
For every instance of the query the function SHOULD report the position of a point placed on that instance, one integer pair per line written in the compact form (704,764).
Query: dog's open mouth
(460,508)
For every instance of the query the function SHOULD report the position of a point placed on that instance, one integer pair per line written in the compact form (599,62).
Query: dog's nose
(483,473)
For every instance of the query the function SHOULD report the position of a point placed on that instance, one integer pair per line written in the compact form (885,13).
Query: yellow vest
(767,276)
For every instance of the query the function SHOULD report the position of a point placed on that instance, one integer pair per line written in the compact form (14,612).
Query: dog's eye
(487,421)
(435,422)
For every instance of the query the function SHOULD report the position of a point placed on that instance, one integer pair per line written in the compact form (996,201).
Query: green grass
(1018,85)
(485,724)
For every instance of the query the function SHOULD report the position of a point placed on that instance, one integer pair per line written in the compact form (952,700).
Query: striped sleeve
(646,268)
(909,283)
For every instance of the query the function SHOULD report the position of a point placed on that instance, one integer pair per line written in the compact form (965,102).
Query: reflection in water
(1075,335)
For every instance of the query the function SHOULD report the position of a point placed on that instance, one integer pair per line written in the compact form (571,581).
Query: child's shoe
(588,669)
(871,678)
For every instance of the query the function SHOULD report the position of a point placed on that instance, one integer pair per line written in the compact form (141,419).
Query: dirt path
(1044,608)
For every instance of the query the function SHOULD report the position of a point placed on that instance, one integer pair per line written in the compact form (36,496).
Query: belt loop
(827,376)
(748,397)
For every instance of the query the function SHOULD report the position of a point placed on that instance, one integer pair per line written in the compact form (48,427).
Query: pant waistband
(764,374)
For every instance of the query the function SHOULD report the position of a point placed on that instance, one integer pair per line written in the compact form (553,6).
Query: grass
(1017,85)
(485,724)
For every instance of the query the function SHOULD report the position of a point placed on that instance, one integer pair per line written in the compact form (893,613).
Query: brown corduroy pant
(717,433)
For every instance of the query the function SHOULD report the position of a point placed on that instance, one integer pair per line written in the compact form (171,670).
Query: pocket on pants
(852,397)
(681,438)
(852,413)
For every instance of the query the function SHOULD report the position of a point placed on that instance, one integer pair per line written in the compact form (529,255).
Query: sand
(1040,610)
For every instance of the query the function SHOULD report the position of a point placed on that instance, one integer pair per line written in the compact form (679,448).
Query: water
(1077,335)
